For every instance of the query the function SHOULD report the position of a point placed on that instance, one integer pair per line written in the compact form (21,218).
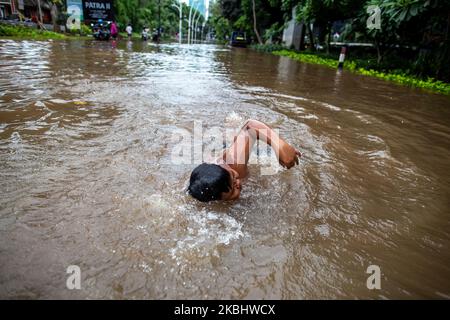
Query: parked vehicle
(155,36)
(101,30)
(238,39)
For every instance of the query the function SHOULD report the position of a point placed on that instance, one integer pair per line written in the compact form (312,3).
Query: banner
(98,9)
(75,8)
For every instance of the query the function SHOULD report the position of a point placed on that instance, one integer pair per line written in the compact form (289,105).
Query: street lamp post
(191,19)
(202,29)
(180,27)
(189,25)
(193,26)
(159,20)
(196,27)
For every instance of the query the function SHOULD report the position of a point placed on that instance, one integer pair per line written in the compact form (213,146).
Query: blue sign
(75,8)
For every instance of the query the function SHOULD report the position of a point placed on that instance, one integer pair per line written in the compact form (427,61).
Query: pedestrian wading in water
(221,180)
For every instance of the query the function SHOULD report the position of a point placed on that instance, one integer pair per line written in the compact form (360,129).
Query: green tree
(241,16)
(142,13)
(417,30)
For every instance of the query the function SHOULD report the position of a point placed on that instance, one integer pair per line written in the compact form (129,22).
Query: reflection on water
(85,165)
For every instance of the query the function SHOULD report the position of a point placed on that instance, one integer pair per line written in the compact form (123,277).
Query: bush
(28,33)
(85,30)
(267,47)
(398,76)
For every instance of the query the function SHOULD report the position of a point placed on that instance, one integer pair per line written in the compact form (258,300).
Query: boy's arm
(239,152)
(286,154)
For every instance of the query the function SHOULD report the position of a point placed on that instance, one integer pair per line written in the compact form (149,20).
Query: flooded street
(87,177)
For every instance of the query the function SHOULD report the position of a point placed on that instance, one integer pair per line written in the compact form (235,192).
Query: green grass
(267,47)
(134,35)
(27,33)
(359,67)
(21,32)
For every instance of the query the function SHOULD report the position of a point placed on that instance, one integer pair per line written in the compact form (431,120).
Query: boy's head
(208,182)
(214,182)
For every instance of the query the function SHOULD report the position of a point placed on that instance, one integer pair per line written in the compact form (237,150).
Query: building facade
(10,9)
(7,8)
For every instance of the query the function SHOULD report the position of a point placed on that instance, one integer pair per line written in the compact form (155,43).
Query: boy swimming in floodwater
(221,180)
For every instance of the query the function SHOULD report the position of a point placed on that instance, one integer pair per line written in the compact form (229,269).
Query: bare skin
(235,158)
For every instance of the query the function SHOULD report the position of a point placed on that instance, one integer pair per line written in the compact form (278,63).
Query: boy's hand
(288,155)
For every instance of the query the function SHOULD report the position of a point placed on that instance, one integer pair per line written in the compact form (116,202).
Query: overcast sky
(206,6)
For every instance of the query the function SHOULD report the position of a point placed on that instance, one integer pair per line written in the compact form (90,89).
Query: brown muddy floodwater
(87,178)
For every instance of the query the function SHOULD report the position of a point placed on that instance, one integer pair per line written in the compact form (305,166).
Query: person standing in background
(129,30)
(114,30)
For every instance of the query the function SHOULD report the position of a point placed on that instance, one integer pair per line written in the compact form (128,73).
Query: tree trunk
(311,36)
(40,13)
(301,45)
(379,55)
(445,50)
(329,36)
(54,13)
(255,28)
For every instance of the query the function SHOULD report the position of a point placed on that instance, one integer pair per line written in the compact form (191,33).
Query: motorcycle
(144,35)
(155,36)
(101,30)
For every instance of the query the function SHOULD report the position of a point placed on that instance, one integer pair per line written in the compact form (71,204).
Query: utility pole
(189,25)
(180,27)
(193,26)
(159,20)
(196,27)
(201,31)
(191,19)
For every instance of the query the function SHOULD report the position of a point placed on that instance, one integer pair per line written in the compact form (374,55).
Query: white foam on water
(310,116)
(206,231)
(289,97)
(40,104)
(16,146)
(157,201)
(376,139)
(379,154)
(195,234)
(330,106)
(59,101)
(254,88)
(323,230)
(234,119)
(44,117)
(145,267)
(364,119)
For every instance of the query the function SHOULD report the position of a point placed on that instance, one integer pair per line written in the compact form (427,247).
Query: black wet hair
(208,181)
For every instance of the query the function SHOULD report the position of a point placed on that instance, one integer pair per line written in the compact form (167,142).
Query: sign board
(75,9)
(98,9)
